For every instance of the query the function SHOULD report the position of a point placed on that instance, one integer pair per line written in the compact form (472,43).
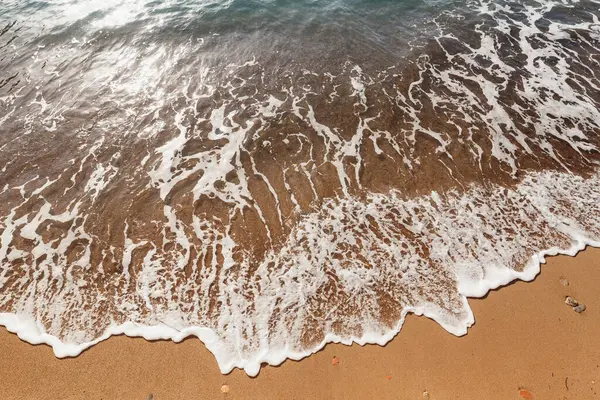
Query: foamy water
(165,173)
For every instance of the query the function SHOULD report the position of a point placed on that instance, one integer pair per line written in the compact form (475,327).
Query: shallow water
(270,176)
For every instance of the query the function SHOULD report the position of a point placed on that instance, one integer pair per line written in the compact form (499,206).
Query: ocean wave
(269,204)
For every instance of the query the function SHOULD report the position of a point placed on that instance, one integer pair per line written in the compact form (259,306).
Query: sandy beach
(525,338)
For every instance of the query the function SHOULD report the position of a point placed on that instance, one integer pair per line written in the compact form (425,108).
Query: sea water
(271,176)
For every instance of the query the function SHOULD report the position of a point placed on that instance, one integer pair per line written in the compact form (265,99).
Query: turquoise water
(298,29)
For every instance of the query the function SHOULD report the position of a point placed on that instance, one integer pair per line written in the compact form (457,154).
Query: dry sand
(525,338)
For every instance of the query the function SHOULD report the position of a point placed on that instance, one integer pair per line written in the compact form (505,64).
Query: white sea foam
(448,225)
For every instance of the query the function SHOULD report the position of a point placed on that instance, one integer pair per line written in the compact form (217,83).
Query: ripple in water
(277,176)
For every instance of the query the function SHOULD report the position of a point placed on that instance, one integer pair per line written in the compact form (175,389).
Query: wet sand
(525,337)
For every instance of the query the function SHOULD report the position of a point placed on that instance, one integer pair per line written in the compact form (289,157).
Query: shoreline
(493,276)
(27,330)
(524,337)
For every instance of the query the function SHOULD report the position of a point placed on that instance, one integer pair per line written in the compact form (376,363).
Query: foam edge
(29,331)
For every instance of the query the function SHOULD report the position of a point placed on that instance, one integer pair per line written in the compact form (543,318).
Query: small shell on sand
(580,308)
(571,302)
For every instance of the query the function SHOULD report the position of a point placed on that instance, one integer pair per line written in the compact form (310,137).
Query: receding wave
(165,174)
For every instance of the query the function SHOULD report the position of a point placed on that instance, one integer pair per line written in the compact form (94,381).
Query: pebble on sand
(580,308)
(571,302)
(526,394)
